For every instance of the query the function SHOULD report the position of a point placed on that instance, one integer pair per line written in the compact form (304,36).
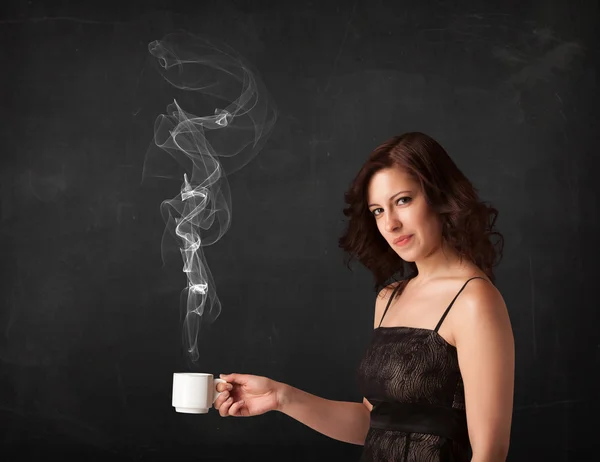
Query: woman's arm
(485,344)
(341,420)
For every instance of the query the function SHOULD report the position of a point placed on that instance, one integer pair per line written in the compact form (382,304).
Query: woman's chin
(406,256)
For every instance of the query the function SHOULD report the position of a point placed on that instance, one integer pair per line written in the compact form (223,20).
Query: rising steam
(205,148)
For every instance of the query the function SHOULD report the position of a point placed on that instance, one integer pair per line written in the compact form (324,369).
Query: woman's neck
(443,261)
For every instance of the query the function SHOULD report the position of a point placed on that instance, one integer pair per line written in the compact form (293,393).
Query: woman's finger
(224,409)
(236,408)
(221,386)
(221,401)
(240,379)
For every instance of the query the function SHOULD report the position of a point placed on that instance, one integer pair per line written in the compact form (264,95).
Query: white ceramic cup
(194,392)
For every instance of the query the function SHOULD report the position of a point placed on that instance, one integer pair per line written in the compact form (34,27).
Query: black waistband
(421,418)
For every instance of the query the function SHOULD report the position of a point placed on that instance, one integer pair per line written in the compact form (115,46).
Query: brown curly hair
(467,222)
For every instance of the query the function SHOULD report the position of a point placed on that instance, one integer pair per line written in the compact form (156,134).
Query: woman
(438,374)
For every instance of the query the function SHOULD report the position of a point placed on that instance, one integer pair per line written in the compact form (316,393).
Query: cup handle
(217,393)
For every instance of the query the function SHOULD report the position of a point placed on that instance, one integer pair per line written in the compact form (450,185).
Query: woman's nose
(391,224)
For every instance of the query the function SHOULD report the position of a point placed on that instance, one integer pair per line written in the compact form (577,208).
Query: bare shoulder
(384,294)
(381,301)
(480,306)
(480,296)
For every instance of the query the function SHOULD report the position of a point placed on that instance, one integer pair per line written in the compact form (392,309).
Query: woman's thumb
(236,378)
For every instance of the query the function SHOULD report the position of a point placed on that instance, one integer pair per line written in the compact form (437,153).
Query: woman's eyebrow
(391,198)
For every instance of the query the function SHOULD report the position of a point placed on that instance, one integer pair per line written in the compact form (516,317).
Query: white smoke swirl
(205,149)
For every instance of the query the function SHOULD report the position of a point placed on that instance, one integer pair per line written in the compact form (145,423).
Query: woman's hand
(247,395)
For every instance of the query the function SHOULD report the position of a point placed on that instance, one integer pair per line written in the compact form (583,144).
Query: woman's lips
(403,240)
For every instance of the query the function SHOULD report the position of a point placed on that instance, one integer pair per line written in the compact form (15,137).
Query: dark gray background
(90,330)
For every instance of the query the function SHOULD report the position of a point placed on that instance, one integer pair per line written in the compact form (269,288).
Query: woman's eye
(407,199)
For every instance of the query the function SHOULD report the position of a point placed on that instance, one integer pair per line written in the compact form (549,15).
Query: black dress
(412,378)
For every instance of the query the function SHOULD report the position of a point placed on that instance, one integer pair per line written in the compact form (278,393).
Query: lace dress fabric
(407,366)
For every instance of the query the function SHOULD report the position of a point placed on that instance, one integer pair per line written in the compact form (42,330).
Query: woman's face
(402,215)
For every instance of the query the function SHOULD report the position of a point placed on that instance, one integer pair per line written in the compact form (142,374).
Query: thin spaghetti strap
(388,303)
(452,302)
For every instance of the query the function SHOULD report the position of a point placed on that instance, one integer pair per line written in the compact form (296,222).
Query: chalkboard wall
(91,312)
